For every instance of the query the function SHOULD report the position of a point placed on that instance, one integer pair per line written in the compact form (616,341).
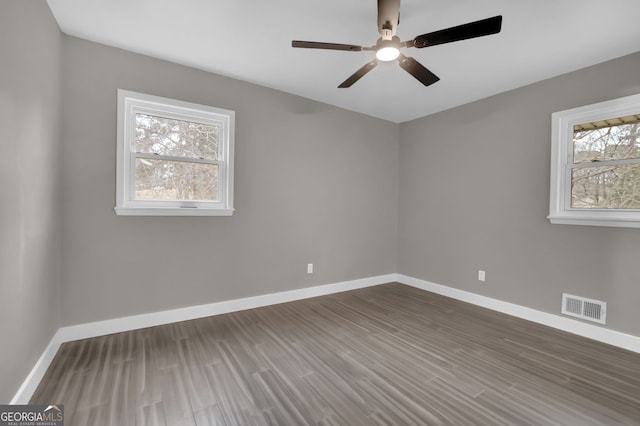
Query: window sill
(627,222)
(165,211)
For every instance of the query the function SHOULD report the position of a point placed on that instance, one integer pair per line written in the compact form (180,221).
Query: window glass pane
(606,187)
(592,143)
(166,136)
(175,180)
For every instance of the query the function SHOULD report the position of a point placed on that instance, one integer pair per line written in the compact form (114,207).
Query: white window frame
(562,122)
(132,103)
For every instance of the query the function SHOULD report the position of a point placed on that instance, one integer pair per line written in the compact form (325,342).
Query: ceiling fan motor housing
(390,42)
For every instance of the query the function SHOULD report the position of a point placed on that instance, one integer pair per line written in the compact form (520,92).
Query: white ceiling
(251,40)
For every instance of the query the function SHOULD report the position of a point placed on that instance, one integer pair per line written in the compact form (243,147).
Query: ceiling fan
(388,46)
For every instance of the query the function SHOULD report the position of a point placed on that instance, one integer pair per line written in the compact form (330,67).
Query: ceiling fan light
(388,53)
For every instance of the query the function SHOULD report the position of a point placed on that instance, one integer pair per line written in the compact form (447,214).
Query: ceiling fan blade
(417,70)
(358,74)
(388,16)
(475,29)
(330,46)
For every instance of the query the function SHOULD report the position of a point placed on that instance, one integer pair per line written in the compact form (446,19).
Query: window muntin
(174,158)
(595,169)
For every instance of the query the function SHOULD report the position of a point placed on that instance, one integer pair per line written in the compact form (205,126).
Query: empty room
(220,212)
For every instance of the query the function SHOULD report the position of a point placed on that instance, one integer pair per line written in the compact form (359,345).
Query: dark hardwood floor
(387,355)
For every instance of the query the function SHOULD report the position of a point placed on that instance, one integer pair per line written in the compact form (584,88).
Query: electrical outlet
(309,268)
(481,275)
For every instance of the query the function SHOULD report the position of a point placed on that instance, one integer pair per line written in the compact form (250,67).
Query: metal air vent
(587,309)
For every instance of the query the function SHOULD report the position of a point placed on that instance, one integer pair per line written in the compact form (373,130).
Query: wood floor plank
(177,407)
(150,415)
(386,355)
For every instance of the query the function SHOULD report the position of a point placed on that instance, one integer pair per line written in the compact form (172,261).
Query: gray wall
(474,194)
(313,184)
(30,44)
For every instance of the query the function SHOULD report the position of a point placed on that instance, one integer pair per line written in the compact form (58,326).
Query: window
(174,158)
(595,164)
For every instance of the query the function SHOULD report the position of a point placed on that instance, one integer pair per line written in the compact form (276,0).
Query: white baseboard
(594,332)
(118,325)
(101,328)
(37,372)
